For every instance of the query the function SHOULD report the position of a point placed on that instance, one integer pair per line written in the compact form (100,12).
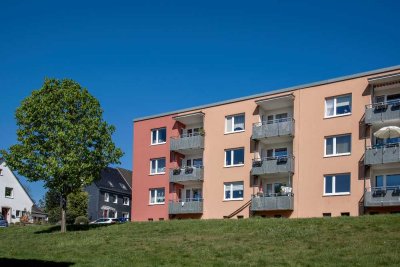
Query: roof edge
(277,91)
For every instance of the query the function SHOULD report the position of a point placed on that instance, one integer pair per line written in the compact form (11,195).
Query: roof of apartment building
(111,179)
(288,89)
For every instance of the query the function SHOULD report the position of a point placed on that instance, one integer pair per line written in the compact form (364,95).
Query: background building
(110,196)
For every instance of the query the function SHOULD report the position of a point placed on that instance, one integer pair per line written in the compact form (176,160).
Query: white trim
(106,197)
(334,193)
(115,199)
(230,184)
(337,116)
(157,132)
(233,123)
(156,167)
(241,131)
(232,157)
(335,105)
(334,146)
(232,166)
(127,202)
(155,194)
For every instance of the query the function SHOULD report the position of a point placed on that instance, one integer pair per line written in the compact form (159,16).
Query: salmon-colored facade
(307,151)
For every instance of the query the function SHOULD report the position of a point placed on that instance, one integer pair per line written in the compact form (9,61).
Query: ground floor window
(337,184)
(157,196)
(233,191)
(125,215)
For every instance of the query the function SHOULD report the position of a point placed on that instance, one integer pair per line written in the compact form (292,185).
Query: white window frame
(12,192)
(125,213)
(334,154)
(156,173)
(334,193)
(335,105)
(156,131)
(126,201)
(233,123)
(230,184)
(115,199)
(155,193)
(232,157)
(106,197)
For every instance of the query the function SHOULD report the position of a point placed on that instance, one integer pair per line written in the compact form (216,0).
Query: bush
(81,220)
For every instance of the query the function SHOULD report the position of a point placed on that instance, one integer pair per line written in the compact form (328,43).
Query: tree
(62,139)
(77,205)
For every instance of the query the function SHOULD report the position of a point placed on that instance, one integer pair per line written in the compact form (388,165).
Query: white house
(14,200)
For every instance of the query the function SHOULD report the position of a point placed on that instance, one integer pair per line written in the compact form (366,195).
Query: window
(157,166)
(18,213)
(233,191)
(123,186)
(338,105)
(125,215)
(281,117)
(338,184)
(338,145)
(110,184)
(234,123)
(345,214)
(126,201)
(158,136)
(106,197)
(115,199)
(276,153)
(234,157)
(9,192)
(157,196)
(1,172)
(326,214)
(389,180)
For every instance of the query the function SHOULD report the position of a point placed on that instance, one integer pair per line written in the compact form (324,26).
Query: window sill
(155,204)
(337,155)
(157,144)
(106,201)
(234,199)
(159,173)
(126,204)
(336,194)
(241,131)
(232,166)
(337,116)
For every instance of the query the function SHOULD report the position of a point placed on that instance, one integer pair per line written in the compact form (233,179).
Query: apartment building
(305,151)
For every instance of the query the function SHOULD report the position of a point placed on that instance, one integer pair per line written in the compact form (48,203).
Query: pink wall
(142,180)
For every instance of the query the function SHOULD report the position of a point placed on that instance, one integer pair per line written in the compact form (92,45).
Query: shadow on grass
(34,263)
(71,228)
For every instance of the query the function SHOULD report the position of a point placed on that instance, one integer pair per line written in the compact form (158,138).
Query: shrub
(81,220)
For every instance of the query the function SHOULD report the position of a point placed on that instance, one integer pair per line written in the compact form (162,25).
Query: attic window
(123,186)
(110,183)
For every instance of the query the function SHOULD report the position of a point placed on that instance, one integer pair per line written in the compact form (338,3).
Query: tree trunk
(63,215)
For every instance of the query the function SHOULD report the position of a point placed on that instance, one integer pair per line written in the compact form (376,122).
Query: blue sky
(146,57)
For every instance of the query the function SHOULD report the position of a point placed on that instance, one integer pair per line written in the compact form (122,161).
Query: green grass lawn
(344,241)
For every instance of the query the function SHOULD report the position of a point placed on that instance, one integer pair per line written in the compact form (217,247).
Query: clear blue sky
(146,57)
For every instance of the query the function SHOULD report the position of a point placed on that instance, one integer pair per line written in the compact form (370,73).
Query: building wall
(142,180)
(20,200)
(311,128)
(93,205)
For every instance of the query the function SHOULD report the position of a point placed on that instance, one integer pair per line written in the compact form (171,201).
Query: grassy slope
(346,241)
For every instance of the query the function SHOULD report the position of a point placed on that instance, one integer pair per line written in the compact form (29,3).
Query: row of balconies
(273,202)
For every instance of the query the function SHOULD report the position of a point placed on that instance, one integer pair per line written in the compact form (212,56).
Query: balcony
(382,112)
(272,202)
(191,206)
(274,128)
(187,143)
(272,165)
(382,196)
(381,154)
(186,174)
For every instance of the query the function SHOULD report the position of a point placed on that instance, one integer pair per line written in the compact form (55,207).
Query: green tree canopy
(62,138)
